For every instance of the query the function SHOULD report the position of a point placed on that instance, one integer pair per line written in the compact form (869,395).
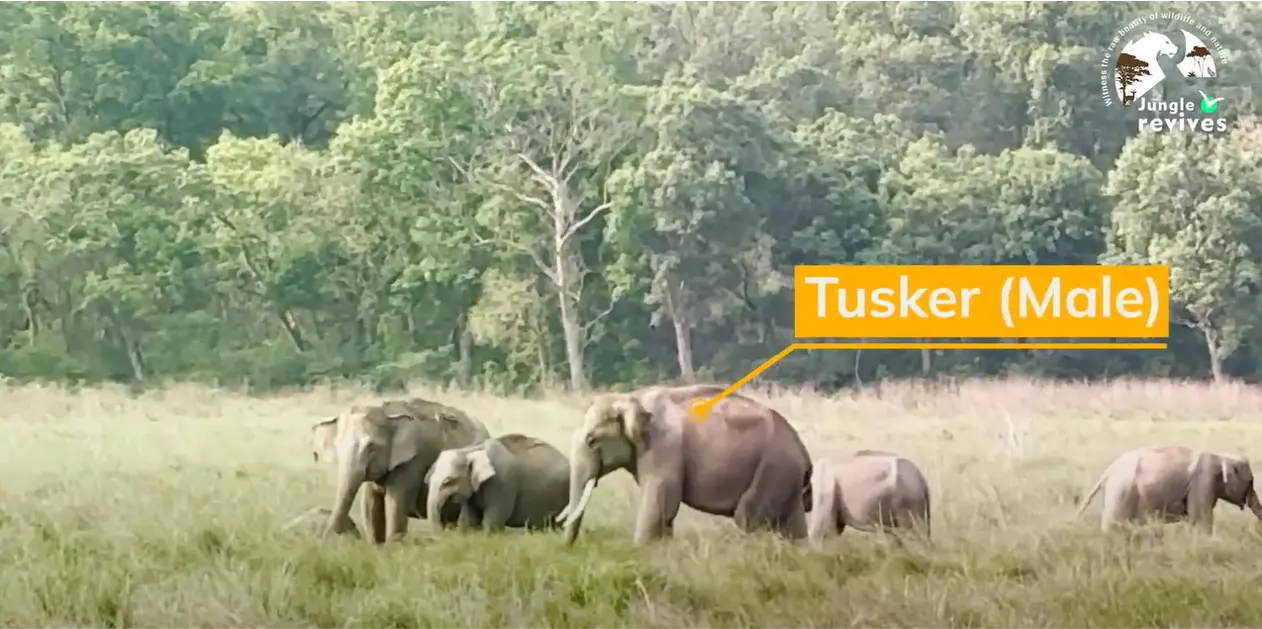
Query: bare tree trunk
(464,364)
(568,278)
(680,317)
(571,318)
(926,361)
(32,321)
(1214,347)
(290,323)
(683,349)
(130,346)
(137,361)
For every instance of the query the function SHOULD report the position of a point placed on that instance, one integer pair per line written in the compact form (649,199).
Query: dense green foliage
(522,195)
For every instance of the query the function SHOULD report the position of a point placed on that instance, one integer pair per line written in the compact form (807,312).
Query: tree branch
(573,229)
(598,317)
(503,187)
(543,266)
(545,178)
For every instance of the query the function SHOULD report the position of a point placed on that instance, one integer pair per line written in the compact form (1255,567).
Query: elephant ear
(635,421)
(322,436)
(408,438)
(1237,477)
(480,468)
(396,409)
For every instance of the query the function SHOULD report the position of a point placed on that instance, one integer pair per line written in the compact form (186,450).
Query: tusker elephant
(511,480)
(390,447)
(745,461)
(867,490)
(1173,483)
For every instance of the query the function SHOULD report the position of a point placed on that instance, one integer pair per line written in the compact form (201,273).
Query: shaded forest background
(520,196)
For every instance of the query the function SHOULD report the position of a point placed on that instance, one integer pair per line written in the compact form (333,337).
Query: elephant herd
(420,459)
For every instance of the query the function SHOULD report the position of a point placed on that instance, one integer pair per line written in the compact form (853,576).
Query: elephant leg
(495,515)
(792,526)
(497,500)
(1120,503)
(825,517)
(373,507)
(1200,505)
(659,504)
(909,520)
(401,495)
(763,504)
(470,518)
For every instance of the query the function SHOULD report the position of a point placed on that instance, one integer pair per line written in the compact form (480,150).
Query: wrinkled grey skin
(745,461)
(1171,483)
(510,481)
(867,490)
(388,448)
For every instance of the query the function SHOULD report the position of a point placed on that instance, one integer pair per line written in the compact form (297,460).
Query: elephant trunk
(584,474)
(349,477)
(1251,501)
(438,496)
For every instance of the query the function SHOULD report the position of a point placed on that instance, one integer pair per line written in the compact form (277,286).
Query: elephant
(507,481)
(390,447)
(744,461)
(867,490)
(1172,483)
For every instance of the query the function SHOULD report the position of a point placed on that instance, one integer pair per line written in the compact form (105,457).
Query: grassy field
(164,511)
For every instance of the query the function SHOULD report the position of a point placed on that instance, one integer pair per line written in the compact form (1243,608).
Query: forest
(522,196)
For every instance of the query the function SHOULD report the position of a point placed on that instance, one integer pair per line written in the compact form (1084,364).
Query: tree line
(529,195)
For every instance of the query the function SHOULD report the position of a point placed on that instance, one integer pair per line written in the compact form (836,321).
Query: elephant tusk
(582,503)
(560,517)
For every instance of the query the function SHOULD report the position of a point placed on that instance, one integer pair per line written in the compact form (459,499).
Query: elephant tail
(808,490)
(1090,496)
(928,514)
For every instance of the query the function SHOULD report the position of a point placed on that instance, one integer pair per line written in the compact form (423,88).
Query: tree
(1191,202)
(1129,69)
(1201,54)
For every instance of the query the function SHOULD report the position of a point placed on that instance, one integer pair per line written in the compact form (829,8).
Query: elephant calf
(511,480)
(867,490)
(1173,483)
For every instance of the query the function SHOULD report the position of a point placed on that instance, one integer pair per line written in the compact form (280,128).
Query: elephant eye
(591,441)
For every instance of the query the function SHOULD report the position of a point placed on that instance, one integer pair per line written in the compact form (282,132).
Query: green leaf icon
(1209,105)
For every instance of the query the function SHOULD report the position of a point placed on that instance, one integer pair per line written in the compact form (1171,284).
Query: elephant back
(455,427)
(518,443)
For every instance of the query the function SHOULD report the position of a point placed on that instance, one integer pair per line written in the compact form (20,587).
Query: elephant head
(456,474)
(611,438)
(1237,484)
(366,442)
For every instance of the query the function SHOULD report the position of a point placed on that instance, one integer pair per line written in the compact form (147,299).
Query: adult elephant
(1173,483)
(744,461)
(390,447)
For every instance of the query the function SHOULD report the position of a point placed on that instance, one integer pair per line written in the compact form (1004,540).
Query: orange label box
(922,301)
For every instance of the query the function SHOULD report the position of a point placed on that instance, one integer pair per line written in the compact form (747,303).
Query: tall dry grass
(164,510)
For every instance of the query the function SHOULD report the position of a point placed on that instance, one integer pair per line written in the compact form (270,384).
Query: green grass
(165,510)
